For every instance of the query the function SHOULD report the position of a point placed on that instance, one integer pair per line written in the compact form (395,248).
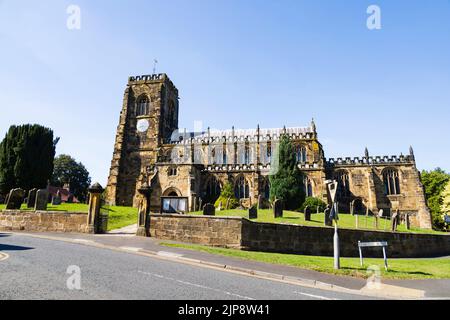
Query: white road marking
(132,249)
(3,256)
(83,241)
(314,296)
(169,254)
(196,285)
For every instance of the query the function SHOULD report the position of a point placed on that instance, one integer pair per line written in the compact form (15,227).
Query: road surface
(37,269)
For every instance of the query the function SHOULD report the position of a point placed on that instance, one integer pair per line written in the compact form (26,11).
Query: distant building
(194,166)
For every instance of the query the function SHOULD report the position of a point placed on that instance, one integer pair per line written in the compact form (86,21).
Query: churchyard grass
(438,268)
(119,217)
(346,221)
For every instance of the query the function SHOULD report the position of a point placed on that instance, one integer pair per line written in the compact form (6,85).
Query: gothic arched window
(247,154)
(242,188)
(143,106)
(213,188)
(391,182)
(308,187)
(224,154)
(300,154)
(343,184)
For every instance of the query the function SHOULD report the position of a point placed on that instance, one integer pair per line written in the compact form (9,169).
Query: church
(189,169)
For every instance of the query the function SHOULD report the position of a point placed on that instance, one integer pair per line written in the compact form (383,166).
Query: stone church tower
(148,118)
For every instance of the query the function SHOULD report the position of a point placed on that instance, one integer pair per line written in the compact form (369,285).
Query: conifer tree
(26,157)
(286,183)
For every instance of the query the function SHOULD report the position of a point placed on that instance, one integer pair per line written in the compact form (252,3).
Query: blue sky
(236,62)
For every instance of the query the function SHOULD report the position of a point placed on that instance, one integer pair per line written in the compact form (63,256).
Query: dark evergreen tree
(68,171)
(26,157)
(286,183)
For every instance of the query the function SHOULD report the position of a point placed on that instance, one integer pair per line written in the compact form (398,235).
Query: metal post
(385,259)
(337,263)
(360,254)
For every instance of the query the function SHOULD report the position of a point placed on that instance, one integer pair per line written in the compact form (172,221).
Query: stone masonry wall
(220,232)
(40,221)
(319,241)
(280,238)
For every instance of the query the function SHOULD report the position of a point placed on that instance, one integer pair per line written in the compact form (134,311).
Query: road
(37,269)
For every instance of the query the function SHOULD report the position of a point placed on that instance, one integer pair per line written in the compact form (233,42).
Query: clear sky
(235,62)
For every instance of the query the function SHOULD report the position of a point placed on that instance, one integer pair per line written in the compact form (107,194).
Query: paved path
(37,269)
(129,230)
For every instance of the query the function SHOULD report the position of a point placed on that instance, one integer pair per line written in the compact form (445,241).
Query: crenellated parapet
(376,160)
(242,135)
(151,79)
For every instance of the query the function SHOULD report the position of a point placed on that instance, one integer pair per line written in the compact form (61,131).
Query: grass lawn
(346,221)
(398,268)
(118,216)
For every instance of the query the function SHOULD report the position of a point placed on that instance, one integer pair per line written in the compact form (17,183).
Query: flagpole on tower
(155,62)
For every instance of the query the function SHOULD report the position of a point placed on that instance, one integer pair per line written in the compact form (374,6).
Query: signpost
(382,244)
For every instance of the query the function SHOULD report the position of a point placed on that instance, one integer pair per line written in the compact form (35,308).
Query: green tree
(286,183)
(445,208)
(68,171)
(313,204)
(26,157)
(435,182)
(227,193)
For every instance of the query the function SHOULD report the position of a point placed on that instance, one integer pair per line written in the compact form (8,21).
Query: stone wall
(319,241)
(281,238)
(221,232)
(43,221)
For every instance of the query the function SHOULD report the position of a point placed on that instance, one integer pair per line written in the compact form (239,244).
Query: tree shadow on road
(7,247)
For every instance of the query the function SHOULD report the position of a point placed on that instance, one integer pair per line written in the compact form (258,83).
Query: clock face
(143,125)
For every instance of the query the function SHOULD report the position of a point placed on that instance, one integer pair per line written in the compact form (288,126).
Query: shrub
(313,203)
(227,193)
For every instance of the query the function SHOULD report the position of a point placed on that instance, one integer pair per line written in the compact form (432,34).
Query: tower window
(173,171)
(391,182)
(143,106)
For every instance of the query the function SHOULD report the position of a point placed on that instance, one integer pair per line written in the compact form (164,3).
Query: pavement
(121,241)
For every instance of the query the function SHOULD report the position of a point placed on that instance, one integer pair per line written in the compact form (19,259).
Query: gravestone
(15,199)
(209,210)
(41,200)
(307,213)
(31,198)
(394,221)
(407,222)
(56,200)
(278,209)
(253,213)
(328,221)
